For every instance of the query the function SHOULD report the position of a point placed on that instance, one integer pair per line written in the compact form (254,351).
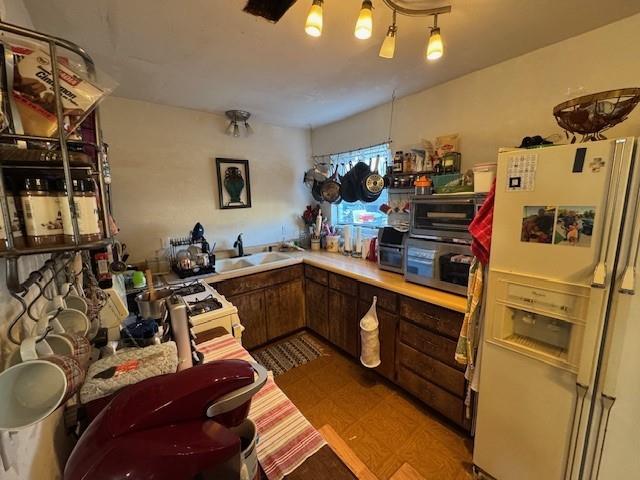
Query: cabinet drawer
(441,320)
(431,369)
(430,343)
(386,300)
(248,283)
(437,398)
(316,274)
(343,284)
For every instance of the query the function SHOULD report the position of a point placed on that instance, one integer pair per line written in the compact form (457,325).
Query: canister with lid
(86,206)
(42,217)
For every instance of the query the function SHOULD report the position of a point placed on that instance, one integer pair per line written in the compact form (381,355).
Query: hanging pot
(330,188)
(372,184)
(349,188)
(315,191)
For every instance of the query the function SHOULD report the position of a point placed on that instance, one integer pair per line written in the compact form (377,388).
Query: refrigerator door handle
(600,272)
(578,410)
(628,283)
(601,435)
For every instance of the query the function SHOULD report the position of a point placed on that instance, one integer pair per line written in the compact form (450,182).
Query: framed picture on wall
(234,186)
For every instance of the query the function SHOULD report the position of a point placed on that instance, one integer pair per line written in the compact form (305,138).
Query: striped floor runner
(286,438)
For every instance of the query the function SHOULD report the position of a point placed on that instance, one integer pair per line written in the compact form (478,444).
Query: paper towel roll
(357,242)
(346,235)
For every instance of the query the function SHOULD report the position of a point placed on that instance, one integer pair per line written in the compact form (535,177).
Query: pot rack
(61,142)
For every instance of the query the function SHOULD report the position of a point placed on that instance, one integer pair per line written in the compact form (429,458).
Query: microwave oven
(444,217)
(440,265)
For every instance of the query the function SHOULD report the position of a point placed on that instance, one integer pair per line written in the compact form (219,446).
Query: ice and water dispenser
(537,317)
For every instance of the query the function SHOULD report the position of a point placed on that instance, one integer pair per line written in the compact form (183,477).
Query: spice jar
(42,217)
(86,206)
(16,228)
(397,162)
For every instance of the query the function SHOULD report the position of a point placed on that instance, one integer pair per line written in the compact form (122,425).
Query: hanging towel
(480,228)
(466,340)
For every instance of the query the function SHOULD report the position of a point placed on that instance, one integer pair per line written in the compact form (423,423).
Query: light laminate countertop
(356,268)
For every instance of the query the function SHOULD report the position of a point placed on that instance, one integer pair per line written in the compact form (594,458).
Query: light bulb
(236,130)
(229,130)
(364,25)
(388,48)
(248,128)
(313,27)
(435,48)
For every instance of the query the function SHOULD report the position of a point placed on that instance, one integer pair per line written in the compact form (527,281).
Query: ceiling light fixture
(235,117)
(435,47)
(388,48)
(313,27)
(364,25)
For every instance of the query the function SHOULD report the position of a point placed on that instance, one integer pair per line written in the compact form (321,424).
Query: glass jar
(16,227)
(42,217)
(86,203)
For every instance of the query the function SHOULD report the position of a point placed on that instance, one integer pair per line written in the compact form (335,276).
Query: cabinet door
(343,322)
(388,326)
(317,303)
(252,315)
(285,308)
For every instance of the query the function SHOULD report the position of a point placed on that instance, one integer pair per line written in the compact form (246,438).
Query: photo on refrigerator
(574,226)
(537,224)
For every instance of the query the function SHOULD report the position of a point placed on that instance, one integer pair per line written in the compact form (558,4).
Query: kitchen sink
(231,264)
(268,257)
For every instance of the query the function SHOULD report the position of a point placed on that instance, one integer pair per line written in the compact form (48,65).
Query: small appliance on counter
(190,424)
(438,252)
(391,249)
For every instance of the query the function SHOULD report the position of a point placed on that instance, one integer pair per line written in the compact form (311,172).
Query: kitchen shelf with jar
(53,191)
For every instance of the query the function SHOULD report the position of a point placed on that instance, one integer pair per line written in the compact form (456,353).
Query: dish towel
(480,228)
(286,438)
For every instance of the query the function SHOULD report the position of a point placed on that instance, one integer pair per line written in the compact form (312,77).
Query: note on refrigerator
(521,172)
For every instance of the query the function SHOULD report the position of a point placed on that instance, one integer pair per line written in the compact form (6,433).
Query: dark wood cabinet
(251,310)
(317,304)
(284,308)
(344,322)
(270,304)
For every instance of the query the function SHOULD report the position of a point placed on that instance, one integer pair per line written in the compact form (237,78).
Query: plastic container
(483,176)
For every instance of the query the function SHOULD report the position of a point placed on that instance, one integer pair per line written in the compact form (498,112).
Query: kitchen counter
(368,272)
(356,268)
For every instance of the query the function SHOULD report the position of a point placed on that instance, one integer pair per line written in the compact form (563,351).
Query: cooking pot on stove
(153,309)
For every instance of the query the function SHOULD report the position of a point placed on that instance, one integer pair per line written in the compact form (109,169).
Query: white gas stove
(206,308)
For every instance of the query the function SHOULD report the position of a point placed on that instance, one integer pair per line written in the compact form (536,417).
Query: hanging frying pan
(372,184)
(330,188)
(348,186)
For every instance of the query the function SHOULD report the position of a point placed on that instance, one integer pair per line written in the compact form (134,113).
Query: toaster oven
(391,247)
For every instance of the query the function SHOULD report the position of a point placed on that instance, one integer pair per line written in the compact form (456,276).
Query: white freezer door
(565,176)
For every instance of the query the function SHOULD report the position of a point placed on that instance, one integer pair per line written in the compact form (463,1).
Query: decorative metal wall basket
(590,115)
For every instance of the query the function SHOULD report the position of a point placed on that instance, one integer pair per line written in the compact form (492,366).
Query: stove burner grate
(207,304)
(192,289)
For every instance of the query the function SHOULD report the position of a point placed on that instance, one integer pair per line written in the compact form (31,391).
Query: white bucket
(483,176)
(249,457)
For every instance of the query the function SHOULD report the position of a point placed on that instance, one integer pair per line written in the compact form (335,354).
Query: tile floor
(383,426)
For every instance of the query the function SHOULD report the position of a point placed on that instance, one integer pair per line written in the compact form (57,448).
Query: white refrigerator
(559,387)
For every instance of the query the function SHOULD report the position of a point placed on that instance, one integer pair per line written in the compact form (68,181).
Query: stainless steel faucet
(238,244)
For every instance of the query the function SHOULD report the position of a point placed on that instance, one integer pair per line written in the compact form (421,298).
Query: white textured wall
(499,105)
(163,167)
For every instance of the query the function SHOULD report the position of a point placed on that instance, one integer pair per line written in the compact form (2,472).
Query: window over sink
(362,213)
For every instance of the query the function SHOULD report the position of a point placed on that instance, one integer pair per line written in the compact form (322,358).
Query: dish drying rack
(57,158)
(174,247)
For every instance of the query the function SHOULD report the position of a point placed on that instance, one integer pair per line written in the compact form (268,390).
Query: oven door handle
(420,260)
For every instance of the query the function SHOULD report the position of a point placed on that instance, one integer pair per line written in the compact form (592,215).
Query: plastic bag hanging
(370,341)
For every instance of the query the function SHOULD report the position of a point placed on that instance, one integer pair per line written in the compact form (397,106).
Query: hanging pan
(372,183)
(330,188)
(348,186)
